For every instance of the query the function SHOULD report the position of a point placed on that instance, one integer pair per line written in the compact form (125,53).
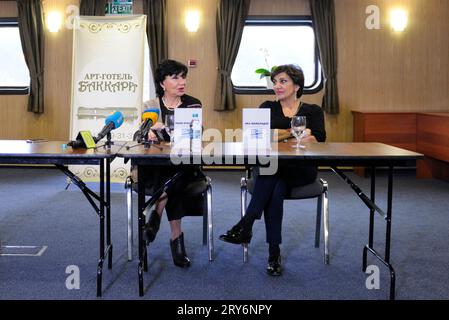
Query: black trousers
(269,194)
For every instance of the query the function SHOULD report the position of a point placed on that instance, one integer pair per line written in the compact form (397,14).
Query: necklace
(289,114)
(173,107)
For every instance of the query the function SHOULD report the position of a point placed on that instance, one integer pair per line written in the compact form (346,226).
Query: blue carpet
(37,210)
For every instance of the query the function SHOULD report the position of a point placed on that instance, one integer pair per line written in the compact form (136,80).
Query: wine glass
(298,125)
(170,124)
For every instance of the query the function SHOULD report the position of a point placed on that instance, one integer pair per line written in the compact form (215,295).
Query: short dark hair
(167,68)
(294,72)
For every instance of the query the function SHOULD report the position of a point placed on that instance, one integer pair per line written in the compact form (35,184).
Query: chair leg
(243,194)
(129,202)
(326,222)
(319,211)
(205,219)
(210,230)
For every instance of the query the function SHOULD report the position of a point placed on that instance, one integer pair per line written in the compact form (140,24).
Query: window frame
(299,20)
(15,90)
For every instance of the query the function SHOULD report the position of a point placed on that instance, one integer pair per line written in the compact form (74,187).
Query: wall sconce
(398,19)
(54,21)
(192,20)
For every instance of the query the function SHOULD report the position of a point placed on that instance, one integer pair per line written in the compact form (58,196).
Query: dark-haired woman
(170,78)
(269,190)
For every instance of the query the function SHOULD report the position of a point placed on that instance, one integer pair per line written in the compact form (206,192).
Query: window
(271,41)
(14,75)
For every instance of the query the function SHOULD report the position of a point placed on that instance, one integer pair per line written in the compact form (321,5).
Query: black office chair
(317,189)
(201,188)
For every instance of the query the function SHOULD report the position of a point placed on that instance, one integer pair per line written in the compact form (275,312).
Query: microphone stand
(108,143)
(147,144)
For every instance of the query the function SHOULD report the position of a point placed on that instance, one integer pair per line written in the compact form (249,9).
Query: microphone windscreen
(116,118)
(152,114)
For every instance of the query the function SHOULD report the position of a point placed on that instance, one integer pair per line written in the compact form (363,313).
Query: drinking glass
(170,124)
(298,125)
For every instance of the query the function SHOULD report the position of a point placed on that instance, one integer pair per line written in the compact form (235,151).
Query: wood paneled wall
(15,121)
(201,46)
(384,71)
(378,70)
(8,9)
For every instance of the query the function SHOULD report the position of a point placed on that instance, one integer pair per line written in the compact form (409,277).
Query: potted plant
(266,72)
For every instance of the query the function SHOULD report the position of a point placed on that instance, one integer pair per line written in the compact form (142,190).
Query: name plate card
(188,121)
(256,125)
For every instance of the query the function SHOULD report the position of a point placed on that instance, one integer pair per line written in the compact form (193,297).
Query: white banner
(107,76)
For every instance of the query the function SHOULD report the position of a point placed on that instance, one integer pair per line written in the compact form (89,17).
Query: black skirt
(179,204)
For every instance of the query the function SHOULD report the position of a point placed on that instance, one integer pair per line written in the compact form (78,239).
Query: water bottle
(195,134)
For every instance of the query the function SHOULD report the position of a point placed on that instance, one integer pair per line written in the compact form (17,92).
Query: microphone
(76,144)
(112,122)
(152,114)
(149,118)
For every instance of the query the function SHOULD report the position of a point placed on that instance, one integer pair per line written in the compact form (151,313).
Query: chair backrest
(311,190)
(308,191)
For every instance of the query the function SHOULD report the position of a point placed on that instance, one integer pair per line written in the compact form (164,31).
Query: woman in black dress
(170,79)
(269,190)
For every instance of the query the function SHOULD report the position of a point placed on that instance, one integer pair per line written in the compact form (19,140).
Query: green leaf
(262,71)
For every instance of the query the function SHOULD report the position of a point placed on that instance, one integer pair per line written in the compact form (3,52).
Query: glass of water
(298,125)
(170,125)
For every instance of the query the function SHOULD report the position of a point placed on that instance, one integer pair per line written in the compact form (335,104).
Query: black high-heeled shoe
(237,235)
(152,227)
(274,267)
(178,252)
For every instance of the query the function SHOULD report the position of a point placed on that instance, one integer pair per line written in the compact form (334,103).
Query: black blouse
(313,113)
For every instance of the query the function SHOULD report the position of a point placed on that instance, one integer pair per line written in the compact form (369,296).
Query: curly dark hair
(295,73)
(168,68)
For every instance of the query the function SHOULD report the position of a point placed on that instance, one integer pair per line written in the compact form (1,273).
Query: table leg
(141,222)
(108,213)
(387,217)
(101,260)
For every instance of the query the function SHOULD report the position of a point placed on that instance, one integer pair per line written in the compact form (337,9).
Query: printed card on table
(256,128)
(183,121)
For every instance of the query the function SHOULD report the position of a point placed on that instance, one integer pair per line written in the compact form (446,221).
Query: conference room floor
(37,210)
